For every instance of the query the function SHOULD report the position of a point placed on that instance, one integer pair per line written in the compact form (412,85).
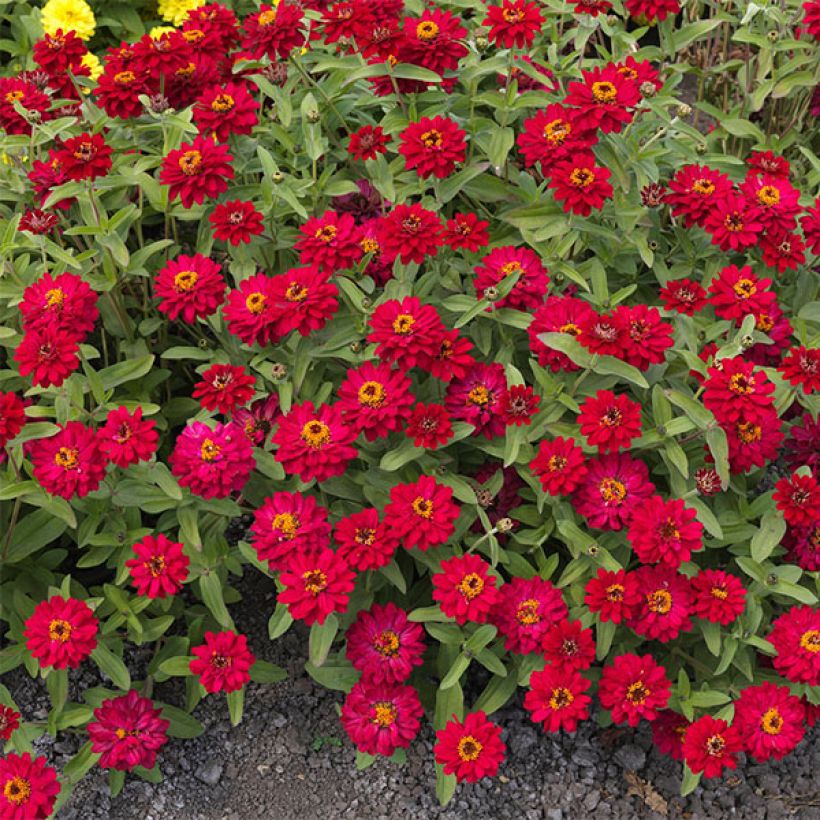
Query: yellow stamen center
(59,630)
(316,434)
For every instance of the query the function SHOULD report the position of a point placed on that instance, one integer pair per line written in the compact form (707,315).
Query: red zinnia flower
(422,513)
(227,109)
(683,296)
(513,23)
(411,233)
(526,610)
(668,731)
(581,184)
(118,91)
(85,157)
(732,224)
(127,438)
(568,645)
(551,135)
(36,221)
(236,222)
(665,606)
(603,100)
(28,787)
(605,334)
(224,387)
(801,366)
(275,31)
(529,290)
(433,146)
(384,645)
(58,52)
(9,721)
(634,687)
(29,96)
(12,417)
(251,312)
(364,542)
(477,399)
(810,223)
(190,287)
(610,422)
(735,293)
(652,9)
(466,231)
(613,595)
(710,746)
(770,720)
(559,465)
(375,399)
(380,718)
(257,420)
(556,698)
(223,662)
(798,498)
(470,750)
(159,568)
(368,142)
(316,583)
(212,462)
(717,596)
(61,632)
(693,192)
(329,242)
(753,442)
(559,314)
(774,202)
(69,463)
(197,171)
(49,354)
(518,405)
(646,336)
(664,531)
(765,162)
(453,359)
(63,303)
(429,426)
(434,40)
(464,589)
(128,732)
(406,331)
(782,251)
(314,442)
(288,524)
(735,389)
(795,636)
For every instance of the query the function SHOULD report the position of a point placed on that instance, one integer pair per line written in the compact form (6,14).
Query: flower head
(770,720)
(472,749)
(363,541)
(190,287)
(433,146)
(634,687)
(28,786)
(717,596)
(613,595)
(69,463)
(464,589)
(223,662)
(62,632)
(422,513)
(236,222)
(197,171)
(526,609)
(159,566)
(513,23)
(795,636)
(224,387)
(710,746)
(316,583)
(559,465)
(556,698)
(610,422)
(664,531)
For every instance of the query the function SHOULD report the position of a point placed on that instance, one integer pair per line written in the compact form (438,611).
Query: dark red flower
(717,596)
(737,292)
(62,632)
(652,10)
(518,405)
(224,387)
(603,100)
(274,31)
(36,221)
(798,498)
(159,567)
(363,541)
(28,787)
(329,242)
(765,162)
(470,750)
(500,263)
(559,314)
(316,583)
(85,157)
(552,135)
(190,287)
(634,687)
(559,466)
(556,698)
(466,231)
(29,96)
(411,233)
(693,192)
(68,463)
(513,23)
(769,719)
(429,426)
(464,589)
(801,366)
(118,91)
(433,146)
(710,746)
(795,636)
(733,225)
(368,142)
(63,304)
(223,662)
(613,595)
(668,731)
(665,606)
(197,171)
(251,312)
(568,645)
(477,399)
(58,52)
(127,438)
(406,331)
(435,40)
(782,251)
(526,610)
(9,722)
(224,110)
(236,222)
(12,417)
(454,359)
(646,336)
(610,422)
(664,531)
(422,513)
(683,296)
(581,184)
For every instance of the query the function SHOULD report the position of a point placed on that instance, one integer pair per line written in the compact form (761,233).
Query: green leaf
(80,764)
(458,668)
(128,371)
(57,685)
(719,448)
(694,409)
(280,622)
(177,667)
(429,613)
(771,532)
(496,693)
(32,533)
(236,705)
(265,672)
(337,674)
(321,639)
(690,781)
(112,666)
(181,723)
(211,589)
(712,636)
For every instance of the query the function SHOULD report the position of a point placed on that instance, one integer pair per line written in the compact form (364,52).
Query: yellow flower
(176,11)
(68,15)
(94,65)
(157,31)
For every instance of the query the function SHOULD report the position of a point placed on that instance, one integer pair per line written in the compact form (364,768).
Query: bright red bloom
(384,645)
(224,387)
(288,524)
(782,251)
(526,610)
(664,531)
(62,304)
(753,442)
(668,731)
(464,589)
(36,221)
(529,290)
(556,698)
(329,242)
(559,465)
(666,604)
(735,389)
(68,463)
(9,722)
(375,399)
(717,596)
(190,287)
(581,184)
(12,417)
(159,568)
(380,718)
(770,720)
(646,336)
(605,334)
(197,171)
(406,331)
(49,354)
(433,146)
(732,224)
(29,96)
(212,462)
(603,99)
(735,293)
(774,202)
(453,360)
(236,222)
(613,485)
(634,687)
(810,223)
(314,442)
(61,632)
(128,732)
(224,110)
(58,52)
(118,91)
(126,438)
(795,636)
(316,583)
(434,40)
(798,498)
(422,513)
(801,366)
(257,420)
(559,314)
(411,233)
(85,157)
(613,595)
(693,192)
(518,405)
(429,426)
(368,142)
(363,541)
(223,662)
(466,231)
(683,296)
(610,422)
(553,135)
(251,312)
(652,9)
(477,399)
(28,787)
(470,750)
(710,746)
(513,23)
(765,162)
(569,646)
(275,31)
(640,73)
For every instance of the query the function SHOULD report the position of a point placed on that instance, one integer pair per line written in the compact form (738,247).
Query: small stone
(584,756)
(555,814)
(210,772)
(631,757)
(592,800)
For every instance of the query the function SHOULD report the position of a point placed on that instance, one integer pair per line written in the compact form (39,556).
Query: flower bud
(356,347)
(593,550)
(684,110)
(771,579)
(504,524)
(707,481)
(773,36)
(700,148)
(484,498)
(481,44)
(203,344)
(313,116)
(278,176)
(158,103)
(367,302)
(491,294)
(652,195)
(279,371)
(746,341)
(648,89)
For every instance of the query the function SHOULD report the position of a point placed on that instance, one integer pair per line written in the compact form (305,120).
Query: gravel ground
(290,759)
